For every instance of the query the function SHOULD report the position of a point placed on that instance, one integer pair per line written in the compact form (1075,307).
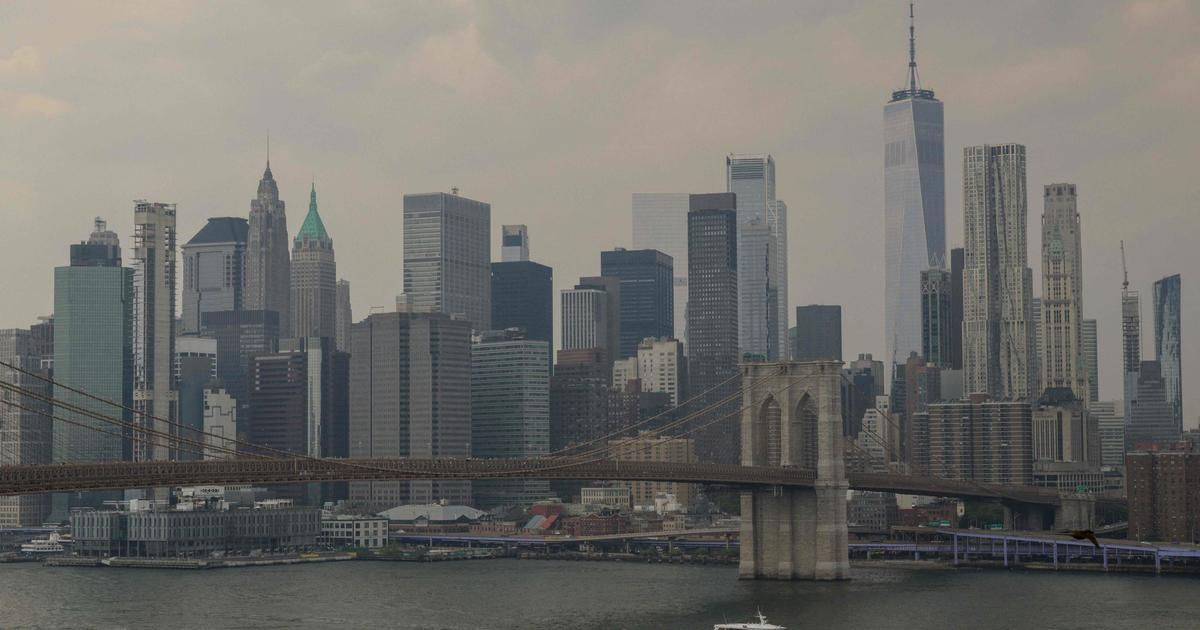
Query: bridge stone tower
(791,417)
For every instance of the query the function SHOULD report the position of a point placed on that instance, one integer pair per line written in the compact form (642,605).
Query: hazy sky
(556,112)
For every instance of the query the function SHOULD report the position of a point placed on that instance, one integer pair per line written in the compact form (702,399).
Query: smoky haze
(556,112)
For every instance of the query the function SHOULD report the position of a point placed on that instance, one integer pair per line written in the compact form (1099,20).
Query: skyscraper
(410,396)
(997,283)
(1091,358)
(662,367)
(1152,415)
(647,295)
(510,411)
(818,333)
(1131,339)
(313,278)
(1035,361)
(447,255)
(268,267)
(936,319)
(1167,331)
(214,270)
(914,206)
(713,349)
(514,243)
(591,316)
(344,316)
(93,351)
(522,290)
(957,262)
(762,232)
(240,335)
(195,374)
(1063,363)
(154,395)
(660,222)
(25,425)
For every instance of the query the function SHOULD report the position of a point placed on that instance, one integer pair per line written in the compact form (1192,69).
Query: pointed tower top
(912,87)
(313,229)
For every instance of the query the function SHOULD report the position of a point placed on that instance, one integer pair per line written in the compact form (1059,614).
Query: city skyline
(825,217)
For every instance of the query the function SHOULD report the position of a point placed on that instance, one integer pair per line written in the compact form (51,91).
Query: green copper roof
(312,229)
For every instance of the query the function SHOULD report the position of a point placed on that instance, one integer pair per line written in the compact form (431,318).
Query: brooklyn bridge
(792,476)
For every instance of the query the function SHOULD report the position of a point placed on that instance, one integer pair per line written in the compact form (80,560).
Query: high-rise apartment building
(1063,363)
(662,367)
(93,347)
(936,324)
(214,270)
(448,255)
(25,424)
(268,265)
(154,395)
(514,243)
(1167,329)
(647,295)
(914,206)
(660,222)
(591,316)
(1035,363)
(1164,501)
(1131,341)
(818,333)
(410,396)
(344,316)
(313,278)
(1091,358)
(998,349)
(579,393)
(981,440)
(713,348)
(762,236)
(510,411)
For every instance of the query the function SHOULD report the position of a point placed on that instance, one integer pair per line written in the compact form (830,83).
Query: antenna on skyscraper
(1124,271)
(912,49)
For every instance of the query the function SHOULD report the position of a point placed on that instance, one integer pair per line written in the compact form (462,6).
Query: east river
(559,595)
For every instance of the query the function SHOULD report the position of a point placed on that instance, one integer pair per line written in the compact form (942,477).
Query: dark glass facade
(647,295)
(818,333)
(523,297)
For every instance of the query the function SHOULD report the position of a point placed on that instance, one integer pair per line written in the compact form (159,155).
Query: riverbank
(197,563)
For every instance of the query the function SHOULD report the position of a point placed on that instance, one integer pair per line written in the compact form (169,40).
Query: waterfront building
(1063,362)
(647,295)
(214,271)
(93,347)
(874,511)
(615,497)
(344,316)
(936,321)
(410,396)
(761,235)
(651,447)
(155,401)
(713,352)
(510,411)
(998,343)
(818,333)
(25,424)
(240,336)
(268,266)
(353,530)
(447,255)
(1152,417)
(313,278)
(591,316)
(1091,358)
(1167,329)
(1164,502)
(914,207)
(195,373)
(660,222)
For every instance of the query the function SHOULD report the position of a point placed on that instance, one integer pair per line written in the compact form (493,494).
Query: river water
(558,595)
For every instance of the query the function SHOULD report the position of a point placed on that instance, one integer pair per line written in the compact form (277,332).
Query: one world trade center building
(914,209)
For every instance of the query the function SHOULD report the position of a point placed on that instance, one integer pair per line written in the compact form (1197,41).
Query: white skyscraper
(1063,363)
(914,207)
(660,222)
(155,398)
(997,282)
(762,288)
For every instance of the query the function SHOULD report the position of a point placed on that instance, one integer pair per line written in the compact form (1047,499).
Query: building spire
(912,50)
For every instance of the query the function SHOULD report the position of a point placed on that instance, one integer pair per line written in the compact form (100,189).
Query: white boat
(43,545)
(761,624)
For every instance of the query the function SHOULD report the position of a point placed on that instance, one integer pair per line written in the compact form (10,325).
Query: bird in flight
(1083,534)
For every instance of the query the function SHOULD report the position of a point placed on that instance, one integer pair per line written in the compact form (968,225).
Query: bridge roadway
(31,479)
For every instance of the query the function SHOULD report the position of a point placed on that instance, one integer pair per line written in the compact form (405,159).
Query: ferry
(761,624)
(41,546)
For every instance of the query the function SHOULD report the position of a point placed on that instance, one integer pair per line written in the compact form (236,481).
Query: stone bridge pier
(792,418)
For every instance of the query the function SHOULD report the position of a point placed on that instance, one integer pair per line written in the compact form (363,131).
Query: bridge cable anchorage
(133,426)
(635,425)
